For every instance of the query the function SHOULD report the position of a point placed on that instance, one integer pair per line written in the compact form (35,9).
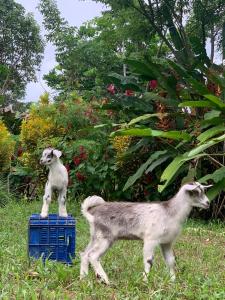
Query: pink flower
(153,84)
(111,89)
(129,93)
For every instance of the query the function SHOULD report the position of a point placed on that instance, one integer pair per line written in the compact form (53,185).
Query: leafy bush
(184,137)
(7,145)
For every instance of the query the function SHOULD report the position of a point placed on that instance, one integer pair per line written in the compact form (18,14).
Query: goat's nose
(207,203)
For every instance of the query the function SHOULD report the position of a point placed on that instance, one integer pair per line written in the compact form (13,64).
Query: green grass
(199,251)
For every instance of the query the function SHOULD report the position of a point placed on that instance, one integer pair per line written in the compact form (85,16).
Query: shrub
(7,145)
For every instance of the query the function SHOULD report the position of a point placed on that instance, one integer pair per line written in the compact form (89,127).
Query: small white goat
(156,223)
(57,180)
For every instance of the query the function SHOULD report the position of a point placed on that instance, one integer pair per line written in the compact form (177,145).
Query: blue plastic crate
(52,238)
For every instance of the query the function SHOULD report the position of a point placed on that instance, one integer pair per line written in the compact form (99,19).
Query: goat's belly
(168,236)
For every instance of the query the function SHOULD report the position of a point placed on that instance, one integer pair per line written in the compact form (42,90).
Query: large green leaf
(205,146)
(200,103)
(212,114)
(215,100)
(132,179)
(145,117)
(171,170)
(210,133)
(216,189)
(175,135)
(157,163)
(216,176)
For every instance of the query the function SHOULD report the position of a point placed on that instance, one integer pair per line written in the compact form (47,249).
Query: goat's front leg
(148,254)
(46,200)
(62,203)
(169,258)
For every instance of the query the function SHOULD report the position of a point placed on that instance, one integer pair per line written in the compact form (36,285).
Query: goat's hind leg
(99,248)
(62,203)
(46,200)
(85,260)
(148,255)
(169,258)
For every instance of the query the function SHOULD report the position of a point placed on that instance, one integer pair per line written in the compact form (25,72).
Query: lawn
(200,264)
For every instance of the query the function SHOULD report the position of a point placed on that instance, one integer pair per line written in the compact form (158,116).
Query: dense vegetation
(140,104)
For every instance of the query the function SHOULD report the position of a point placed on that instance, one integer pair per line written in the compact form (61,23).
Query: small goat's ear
(191,186)
(57,153)
(207,186)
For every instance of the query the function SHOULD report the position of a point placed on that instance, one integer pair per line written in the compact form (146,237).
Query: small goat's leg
(169,259)
(148,255)
(95,253)
(85,260)
(46,200)
(62,203)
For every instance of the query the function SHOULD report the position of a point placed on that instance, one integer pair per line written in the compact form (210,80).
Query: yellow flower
(7,145)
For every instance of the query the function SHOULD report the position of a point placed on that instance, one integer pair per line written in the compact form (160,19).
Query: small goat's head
(196,193)
(49,156)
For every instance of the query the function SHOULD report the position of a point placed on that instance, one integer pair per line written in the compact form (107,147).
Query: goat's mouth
(205,205)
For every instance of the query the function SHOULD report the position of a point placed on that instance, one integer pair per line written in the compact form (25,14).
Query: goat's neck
(180,207)
(55,166)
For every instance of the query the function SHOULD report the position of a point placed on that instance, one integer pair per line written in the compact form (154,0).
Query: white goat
(156,223)
(57,180)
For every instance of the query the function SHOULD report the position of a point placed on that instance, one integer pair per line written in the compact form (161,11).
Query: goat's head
(49,156)
(196,194)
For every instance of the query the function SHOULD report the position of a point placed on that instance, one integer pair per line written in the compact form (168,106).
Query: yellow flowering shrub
(121,144)
(38,131)
(7,145)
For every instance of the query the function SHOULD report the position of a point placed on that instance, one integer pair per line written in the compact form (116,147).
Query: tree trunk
(212,39)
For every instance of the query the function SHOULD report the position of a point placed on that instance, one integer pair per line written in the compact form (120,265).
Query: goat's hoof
(43,216)
(103,280)
(63,215)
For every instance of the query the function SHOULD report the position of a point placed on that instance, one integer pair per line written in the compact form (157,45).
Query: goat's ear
(207,186)
(57,153)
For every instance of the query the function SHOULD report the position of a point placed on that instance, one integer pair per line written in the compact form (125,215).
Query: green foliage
(21,50)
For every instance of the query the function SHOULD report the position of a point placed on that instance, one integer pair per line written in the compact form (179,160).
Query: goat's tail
(88,203)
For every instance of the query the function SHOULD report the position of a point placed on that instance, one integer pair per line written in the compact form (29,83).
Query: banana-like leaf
(175,165)
(197,104)
(145,117)
(212,114)
(216,189)
(216,176)
(157,163)
(215,100)
(205,146)
(132,179)
(171,170)
(210,133)
(174,135)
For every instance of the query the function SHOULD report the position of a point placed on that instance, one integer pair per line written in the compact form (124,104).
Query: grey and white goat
(57,180)
(156,223)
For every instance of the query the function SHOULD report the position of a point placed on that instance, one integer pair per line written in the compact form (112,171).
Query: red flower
(67,168)
(81,148)
(80,177)
(129,93)
(19,151)
(83,156)
(76,160)
(111,89)
(153,84)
